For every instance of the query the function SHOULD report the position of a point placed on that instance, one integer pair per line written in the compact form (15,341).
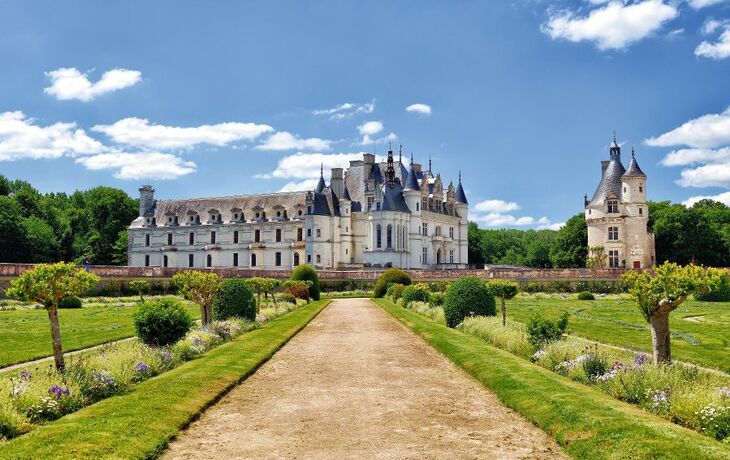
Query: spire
(460,195)
(390,169)
(615,150)
(429,165)
(346,194)
(411,180)
(320,185)
(634,170)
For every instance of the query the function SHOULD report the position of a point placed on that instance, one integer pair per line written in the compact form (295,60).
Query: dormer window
(612,206)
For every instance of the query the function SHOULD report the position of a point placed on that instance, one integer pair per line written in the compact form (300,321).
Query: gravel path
(355,383)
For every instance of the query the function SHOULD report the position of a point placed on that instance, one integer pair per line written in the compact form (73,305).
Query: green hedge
(388,277)
(467,296)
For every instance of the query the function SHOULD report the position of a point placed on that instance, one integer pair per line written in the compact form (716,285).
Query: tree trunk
(56,337)
(203,314)
(660,336)
(208,314)
(258,302)
(273,298)
(504,311)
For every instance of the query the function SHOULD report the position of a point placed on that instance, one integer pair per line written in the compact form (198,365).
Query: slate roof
(393,199)
(610,184)
(634,169)
(411,182)
(459,195)
(326,203)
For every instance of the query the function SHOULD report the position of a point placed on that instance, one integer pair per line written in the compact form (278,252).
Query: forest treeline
(38,227)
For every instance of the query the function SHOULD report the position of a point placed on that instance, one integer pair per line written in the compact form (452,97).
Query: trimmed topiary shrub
(161,322)
(465,297)
(388,277)
(235,299)
(307,273)
(585,295)
(541,331)
(418,292)
(70,302)
(395,291)
(297,289)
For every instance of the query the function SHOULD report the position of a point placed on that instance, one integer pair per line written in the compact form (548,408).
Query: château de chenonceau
(617,215)
(376,214)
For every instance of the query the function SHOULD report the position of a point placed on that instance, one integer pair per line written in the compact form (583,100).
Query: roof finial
(429,164)
(321,169)
(400,154)
(411,158)
(633,151)
(460,176)
(614,136)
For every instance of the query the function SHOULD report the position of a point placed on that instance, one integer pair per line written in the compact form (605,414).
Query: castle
(374,214)
(617,216)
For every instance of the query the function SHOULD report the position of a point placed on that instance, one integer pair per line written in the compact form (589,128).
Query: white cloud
(685,157)
(139,132)
(711,175)
(21,138)
(721,197)
(286,141)
(711,25)
(419,108)
(498,206)
(697,4)
(615,25)
(346,110)
(144,165)
(307,165)
(304,185)
(707,131)
(370,127)
(70,83)
(715,50)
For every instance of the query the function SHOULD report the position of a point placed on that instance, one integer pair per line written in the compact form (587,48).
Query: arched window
(164,261)
(296,259)
(389,237)
(253,260)
(379,237)
(209,261)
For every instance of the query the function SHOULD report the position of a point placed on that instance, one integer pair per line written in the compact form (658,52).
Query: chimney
(146,199)
(368,160)
(337,184)
(604,165)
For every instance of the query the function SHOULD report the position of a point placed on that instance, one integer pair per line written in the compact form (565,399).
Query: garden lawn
(702,340)
(587,423)
(141,423)
(26,335)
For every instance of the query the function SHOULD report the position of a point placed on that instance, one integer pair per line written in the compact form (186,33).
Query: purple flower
(640,359)
(57,392)
(25,375)
(166,355)
(471,313)
(104,378)
(142,367)
(198,341)
(725,392)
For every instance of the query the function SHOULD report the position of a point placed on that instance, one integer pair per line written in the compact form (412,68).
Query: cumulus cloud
(286,141)
(299,186)
(707,131)
(69,83)
(139,132)
(614,25)
(710,175)
(717,50)
(346,110)
(423,109)
(698,4)
(22,138)
(307,165)
(144,165)
(723,197)
(499,206)
(686,157)
(369,129)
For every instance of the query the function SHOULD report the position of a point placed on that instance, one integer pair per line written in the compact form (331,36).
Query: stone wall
(108,271)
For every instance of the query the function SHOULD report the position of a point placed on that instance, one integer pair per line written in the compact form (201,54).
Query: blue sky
(220,98)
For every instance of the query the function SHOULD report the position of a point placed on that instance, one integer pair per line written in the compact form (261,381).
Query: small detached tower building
(617,216)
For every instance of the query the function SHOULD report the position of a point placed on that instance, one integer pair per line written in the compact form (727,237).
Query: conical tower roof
(411,180)
(460,195)
(320,185)
(634,169)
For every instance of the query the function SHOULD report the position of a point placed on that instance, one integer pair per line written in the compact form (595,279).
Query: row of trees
(37,227)
(698,234)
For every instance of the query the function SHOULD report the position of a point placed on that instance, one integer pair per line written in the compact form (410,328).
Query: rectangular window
(209,261)
(235,259)
(319,259)
(641,211)
(169,239)
(278,235)
(451,232)
(438,231)
(191,239)
(424,256)
(319,233)
(613,259)
(147,261)
(309,258)
(371,200)
(235,237)
(212,237)
(424,232)
(278,259)
(377,206)
(190,259)
(299,234)
(418,207)
(451,256)
(146,240)
(613,233)
(612,206)
(257,236)
(309,232)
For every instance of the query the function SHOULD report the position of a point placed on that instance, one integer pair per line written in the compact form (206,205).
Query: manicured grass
(141,423)
(704,341)
(25,334)
(587,423)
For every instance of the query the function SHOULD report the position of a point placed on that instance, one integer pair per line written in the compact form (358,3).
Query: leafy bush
(235,299)
(721,292)
(161,322)
(585,295)
(467,297)
(436,299)
(141,287)
(388,277)
(438,286)
(287,298)
(395,291)
(297,289)
(595,364)
(70,302)
(307,273)
(542,331)
(418,292)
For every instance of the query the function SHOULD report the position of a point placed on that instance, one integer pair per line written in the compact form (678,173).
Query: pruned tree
(597,257)
(505,290)
(49,284)
(661,291)
(263,286)
(201,288)
(141,287)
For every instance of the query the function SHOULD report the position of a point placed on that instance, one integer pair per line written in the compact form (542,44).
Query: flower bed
(690,396)
(35,395)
